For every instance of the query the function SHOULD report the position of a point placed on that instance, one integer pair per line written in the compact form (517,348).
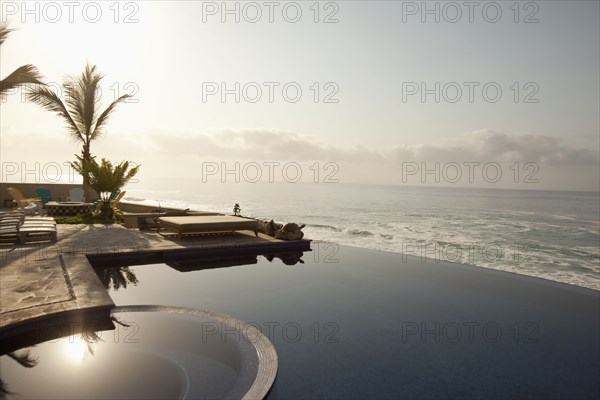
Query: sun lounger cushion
(26,233)
(25,228)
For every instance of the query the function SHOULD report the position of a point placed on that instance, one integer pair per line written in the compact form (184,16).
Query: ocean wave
(358,232)
(331,227)
(350,231)
(563,251)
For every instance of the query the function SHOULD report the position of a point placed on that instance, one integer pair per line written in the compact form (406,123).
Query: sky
(464,94)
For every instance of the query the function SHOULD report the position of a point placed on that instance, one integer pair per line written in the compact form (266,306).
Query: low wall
(28,189)
(62,190)
(142,208)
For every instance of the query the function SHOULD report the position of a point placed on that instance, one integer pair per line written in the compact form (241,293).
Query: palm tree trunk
(86,156)
(106,210)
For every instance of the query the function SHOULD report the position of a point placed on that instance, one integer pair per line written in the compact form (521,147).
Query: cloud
(560,166)
(273,144)
(261,144)
(269,144)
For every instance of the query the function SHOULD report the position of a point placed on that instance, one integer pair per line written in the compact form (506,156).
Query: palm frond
(50,101)
(79,108)
(103,118)
(74,99)
(81,98)
(25,359)
(24,75)
(90,80)
(4,390)
(4,31)
(106,178)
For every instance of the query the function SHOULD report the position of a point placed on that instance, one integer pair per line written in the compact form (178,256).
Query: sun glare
(75,349)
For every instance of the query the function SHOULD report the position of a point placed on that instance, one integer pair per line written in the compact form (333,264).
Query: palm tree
(26,74)
(105,179)
(80,110)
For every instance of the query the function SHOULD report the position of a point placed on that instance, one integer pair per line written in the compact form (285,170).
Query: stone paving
(44,279)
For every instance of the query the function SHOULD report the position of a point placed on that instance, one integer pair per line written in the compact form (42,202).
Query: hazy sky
(379,89)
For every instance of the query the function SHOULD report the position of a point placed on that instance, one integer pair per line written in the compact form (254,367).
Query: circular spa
(141,352)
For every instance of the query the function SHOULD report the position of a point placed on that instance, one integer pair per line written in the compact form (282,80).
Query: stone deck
(43,280)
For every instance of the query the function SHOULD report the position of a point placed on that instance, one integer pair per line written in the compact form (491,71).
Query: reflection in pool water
(151,353)
(116,278)
(76,348)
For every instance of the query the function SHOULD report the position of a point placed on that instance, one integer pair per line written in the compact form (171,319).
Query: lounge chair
(117,199)
(19,218)
(76,195)
(44,195)
(189,225)
(31,209)
(9,234)
(29,205)
(112,198)
(16,227)
(26,233)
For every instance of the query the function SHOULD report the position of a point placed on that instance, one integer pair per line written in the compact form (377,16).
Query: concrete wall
(62,190)
(28,190)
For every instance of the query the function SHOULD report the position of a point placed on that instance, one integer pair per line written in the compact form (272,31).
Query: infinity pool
(353,323)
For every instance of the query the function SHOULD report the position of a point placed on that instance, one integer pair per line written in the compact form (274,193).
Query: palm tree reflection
(117,277)
(77,335)
(24,359)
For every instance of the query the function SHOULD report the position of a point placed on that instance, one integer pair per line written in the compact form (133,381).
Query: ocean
(548,234)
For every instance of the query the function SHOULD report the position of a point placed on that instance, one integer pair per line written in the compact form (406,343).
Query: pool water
(139,352)
(345,322)
(354,323)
